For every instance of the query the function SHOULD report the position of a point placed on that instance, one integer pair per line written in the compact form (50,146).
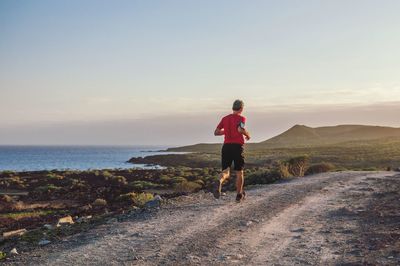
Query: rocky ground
(345,218)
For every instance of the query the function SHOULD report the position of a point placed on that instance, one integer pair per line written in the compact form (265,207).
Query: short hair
(237,105)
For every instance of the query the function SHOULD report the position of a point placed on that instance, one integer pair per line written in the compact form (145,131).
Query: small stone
(48,226)
(297,230)
(193,258)
(65,220)
(154,203)
(244,223)
(84,219)
(112,220)
(10,234)
(224,257)
(44,242)
(157,197)
(14,251)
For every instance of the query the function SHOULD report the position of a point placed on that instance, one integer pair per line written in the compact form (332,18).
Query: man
(232,127)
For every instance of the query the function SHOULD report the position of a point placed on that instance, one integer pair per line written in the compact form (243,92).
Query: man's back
(230,124)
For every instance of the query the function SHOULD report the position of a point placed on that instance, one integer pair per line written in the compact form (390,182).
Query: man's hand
(219,132)
(247,137)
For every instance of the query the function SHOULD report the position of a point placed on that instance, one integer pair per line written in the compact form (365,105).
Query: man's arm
(244,132)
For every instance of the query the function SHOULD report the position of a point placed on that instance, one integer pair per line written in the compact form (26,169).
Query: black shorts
(232,152)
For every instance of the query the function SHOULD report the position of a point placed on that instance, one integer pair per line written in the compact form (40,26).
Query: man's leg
(218,186)
(239,181)
(224,176)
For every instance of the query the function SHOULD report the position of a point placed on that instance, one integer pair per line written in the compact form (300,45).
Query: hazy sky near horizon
(164,72)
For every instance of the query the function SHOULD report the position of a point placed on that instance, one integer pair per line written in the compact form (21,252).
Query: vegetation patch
(320,168)
(26,214)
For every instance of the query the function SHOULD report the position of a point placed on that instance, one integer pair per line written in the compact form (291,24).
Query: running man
(232,127)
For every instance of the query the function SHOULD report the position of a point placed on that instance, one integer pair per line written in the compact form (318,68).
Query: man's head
(237,106)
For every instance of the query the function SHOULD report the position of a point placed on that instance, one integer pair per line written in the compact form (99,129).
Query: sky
(165,72)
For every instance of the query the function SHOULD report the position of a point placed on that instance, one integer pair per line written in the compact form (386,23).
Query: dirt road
(326,219)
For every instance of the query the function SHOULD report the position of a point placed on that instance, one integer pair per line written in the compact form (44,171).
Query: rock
(14,233)
(44,242)
(14,251)
(224,257)
(246,223)
(84,219)
(297,230)
(193,258)
(65,220)
(87,207)
(154,203)
(112,220)
(239,256)
(48,226)
(157,197)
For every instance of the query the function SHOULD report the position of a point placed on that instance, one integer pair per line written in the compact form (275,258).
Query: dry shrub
(187,186)
(298,165)
(320,168)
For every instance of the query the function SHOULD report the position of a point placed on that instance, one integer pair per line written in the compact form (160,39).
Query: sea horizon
(21,158)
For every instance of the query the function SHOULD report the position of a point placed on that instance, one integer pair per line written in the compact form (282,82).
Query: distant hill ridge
(304,136)
(300,135)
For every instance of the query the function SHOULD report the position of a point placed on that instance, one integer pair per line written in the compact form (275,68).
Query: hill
(303,136)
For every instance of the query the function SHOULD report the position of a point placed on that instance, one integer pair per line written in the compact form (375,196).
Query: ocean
(36,158)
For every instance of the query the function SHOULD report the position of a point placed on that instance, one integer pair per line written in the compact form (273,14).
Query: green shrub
(13,182)
(262,177)
(138,199)
(319,168)
(3,255)
(200,182)
(77,184)
(7,172)
(141,185)
(141,198)
(178,179)
(166,179)
(47,189)
(371,168)
(116,180)
(127,198)
(106,174)
(54,176)
(99,203)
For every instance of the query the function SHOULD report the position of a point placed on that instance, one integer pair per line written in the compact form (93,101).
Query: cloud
(310,98)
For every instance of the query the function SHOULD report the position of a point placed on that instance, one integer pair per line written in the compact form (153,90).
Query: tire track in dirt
(211,244)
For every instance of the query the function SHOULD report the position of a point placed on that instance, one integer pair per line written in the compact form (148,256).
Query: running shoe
(240,196)
(217,189)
